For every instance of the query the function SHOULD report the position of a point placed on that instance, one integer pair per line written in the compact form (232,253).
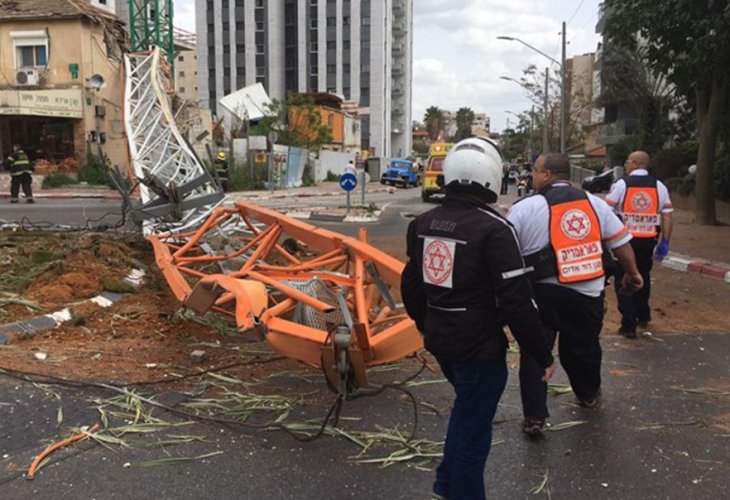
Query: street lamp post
(545,142)
(563,111)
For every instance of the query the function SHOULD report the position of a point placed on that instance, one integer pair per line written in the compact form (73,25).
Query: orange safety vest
(641,206)
(575,235)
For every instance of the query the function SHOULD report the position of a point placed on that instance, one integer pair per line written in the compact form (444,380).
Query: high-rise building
(359,49)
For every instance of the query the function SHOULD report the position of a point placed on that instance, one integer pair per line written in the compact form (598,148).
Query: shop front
(48,124)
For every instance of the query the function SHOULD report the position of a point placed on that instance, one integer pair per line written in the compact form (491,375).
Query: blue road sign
(348,182)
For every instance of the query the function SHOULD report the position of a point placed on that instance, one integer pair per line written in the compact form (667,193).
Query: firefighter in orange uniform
(644,205)
(564,234)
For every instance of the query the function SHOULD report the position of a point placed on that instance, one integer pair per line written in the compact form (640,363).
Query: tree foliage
(296,121)
(464,120)
(688,41)
(434,122)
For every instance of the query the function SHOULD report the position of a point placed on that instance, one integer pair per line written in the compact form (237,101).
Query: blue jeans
(478,386)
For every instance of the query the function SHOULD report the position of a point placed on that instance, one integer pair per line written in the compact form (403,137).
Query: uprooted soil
(147,336)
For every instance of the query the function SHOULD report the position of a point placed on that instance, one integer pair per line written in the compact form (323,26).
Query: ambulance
(430,189)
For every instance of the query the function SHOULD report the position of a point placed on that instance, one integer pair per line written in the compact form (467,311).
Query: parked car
(400,173)
(598,183)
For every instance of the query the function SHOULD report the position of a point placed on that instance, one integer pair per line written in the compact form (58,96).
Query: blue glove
(662,249)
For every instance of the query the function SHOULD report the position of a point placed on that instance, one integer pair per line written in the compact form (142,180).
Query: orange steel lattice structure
(327,302)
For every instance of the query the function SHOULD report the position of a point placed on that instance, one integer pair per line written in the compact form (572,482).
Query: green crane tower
(150,24)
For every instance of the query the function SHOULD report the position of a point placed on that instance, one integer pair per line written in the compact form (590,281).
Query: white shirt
(615,197)
(531,221)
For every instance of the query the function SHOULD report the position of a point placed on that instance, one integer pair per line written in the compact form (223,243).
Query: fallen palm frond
(431,407)
(708,391)
(537,489)
(11,298)
(176,460)
(566,425)
(557,389)
(662,425)
(417,383)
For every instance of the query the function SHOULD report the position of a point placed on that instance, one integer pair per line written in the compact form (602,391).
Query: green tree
(687,40)
(296,121)
(464,120)
(434,122)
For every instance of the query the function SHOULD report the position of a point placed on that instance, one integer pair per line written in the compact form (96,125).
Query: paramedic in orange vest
(644,205)
(563,233)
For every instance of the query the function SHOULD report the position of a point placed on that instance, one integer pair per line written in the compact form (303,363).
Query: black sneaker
(30,200)
(590,402)
(13,201)
(534,427)
(627,333)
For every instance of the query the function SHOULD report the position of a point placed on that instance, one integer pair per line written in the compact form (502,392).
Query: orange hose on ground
(54,447)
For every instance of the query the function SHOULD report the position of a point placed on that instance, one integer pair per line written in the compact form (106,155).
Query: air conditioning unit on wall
(26,77)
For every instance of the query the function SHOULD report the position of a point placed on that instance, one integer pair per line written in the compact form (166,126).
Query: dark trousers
(24,180)
(634,306)
(578,319)
(505,184)
(478,386)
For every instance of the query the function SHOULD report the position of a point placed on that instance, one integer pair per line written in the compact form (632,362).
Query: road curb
(66,196)
(715,270)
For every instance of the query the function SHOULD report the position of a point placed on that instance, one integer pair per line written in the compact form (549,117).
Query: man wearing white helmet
(464,278)
(563,232)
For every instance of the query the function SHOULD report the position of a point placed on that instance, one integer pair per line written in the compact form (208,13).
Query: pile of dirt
(143,337)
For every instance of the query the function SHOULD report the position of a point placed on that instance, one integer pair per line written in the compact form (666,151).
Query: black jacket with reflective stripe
(19,163)
(489,287)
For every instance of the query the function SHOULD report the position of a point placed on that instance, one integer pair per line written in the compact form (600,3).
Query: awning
(66,103)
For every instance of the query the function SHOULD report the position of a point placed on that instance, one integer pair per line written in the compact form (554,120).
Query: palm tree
(464,120)
(434,121)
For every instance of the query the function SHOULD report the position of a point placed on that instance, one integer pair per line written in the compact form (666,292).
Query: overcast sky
(458,60)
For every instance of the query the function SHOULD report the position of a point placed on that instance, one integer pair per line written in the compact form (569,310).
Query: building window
(181,74)
(314,47)
(259,49)
(31,48)
(182,90)
(366,21)
(346,45)
(260,72)
(314,70)
(226,26)
(331,45)
(365,68)
(240,26)
(240,48)
(181,58)
(331,21)
(345,20)
(313,2)
(259,26)
(365,44)
(313,23)
(259,4)
(331,68)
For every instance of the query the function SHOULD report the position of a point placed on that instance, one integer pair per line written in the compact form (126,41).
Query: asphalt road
(662,430)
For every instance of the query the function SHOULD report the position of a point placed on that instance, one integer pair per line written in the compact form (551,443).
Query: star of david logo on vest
(641,202)
(575,224)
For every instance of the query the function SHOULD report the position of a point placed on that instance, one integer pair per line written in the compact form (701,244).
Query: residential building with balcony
(360,50)
(617,120)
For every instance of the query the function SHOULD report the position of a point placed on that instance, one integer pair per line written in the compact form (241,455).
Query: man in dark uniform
(221,169)
(20,170)
(643,203)
(464,278)
(564,233)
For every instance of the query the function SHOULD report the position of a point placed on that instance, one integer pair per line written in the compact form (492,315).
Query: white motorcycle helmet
(475,160)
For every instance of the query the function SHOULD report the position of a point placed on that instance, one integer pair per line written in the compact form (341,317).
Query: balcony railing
(398,69)
(611,133)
